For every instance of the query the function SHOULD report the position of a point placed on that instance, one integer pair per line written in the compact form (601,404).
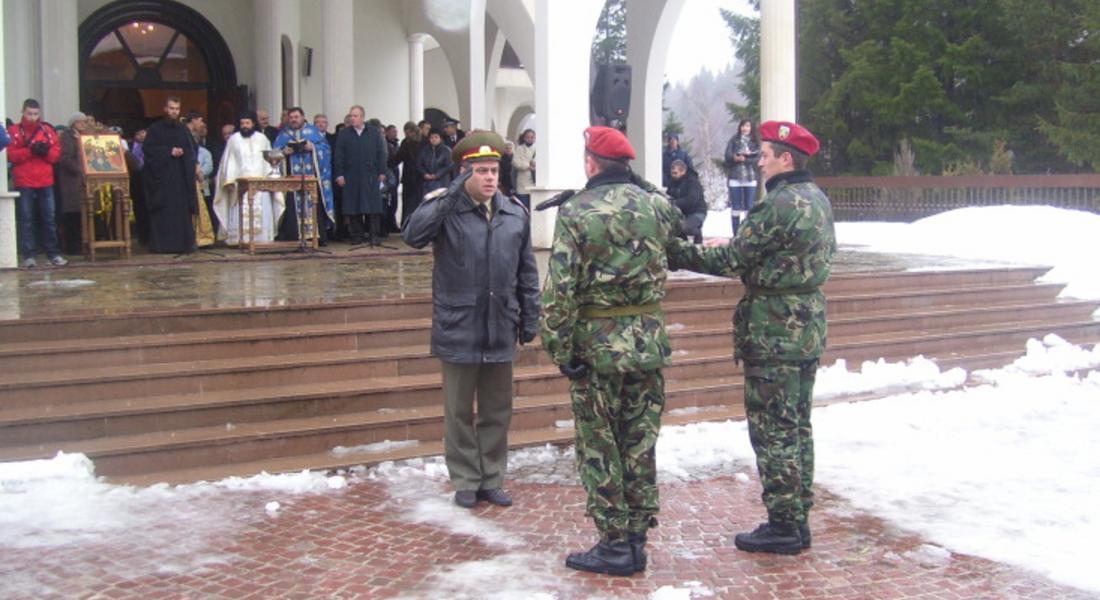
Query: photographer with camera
(35,148)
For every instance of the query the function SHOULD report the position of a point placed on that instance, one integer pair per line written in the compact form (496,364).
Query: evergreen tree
(745,35)
(609,45)
(1075,129)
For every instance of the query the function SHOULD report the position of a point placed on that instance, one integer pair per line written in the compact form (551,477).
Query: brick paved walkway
(401,537)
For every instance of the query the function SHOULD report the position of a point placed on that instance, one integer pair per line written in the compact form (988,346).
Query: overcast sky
(701,40)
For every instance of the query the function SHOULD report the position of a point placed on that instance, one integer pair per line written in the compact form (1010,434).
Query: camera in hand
(40,148)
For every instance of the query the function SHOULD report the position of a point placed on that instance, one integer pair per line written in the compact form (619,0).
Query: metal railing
(912,198)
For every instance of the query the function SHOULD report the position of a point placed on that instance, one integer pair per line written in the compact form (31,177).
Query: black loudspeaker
(611,92)
(307,61)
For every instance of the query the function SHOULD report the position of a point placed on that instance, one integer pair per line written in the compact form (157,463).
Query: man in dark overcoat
(169,178)
(359,168)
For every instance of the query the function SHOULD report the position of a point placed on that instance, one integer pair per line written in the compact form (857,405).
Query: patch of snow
(375,448)
(929,555)
(62,283)
(881,376)
(690,589)
(564,424)
(511,576)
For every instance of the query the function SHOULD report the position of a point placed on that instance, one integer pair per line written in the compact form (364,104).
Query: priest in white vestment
(244,157)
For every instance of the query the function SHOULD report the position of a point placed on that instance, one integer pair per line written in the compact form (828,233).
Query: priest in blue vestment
(308,153)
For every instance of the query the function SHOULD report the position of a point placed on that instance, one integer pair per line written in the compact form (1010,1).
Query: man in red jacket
(34,149)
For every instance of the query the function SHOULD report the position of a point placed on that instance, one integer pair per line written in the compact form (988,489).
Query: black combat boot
(637,545)
(804,531)
(777,538)
(610,558)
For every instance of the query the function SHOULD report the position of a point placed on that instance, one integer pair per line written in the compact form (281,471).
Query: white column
(778,64)
(649,29)
(59,66)
(561,101)
(266,56)
(477,119)
(338,61)
(8,253)
(22,42)
(416,77)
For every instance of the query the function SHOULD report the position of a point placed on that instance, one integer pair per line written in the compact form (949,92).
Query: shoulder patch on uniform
(517,202)
(432,195)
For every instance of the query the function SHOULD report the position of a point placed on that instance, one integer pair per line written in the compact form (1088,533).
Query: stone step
(395,395)
(679,412)
(684,289)
(41,389)
(133,350)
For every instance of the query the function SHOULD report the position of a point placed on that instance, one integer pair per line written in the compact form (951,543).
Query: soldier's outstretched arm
(427,219)
(724,262)
(559,307)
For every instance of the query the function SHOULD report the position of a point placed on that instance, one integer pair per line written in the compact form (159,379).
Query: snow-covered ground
(1007,468)
(1035,235)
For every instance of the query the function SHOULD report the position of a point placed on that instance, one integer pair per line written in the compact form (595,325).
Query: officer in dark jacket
(485,294)
(687,194)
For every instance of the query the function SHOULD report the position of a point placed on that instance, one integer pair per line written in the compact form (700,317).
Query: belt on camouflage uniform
(598,312)
(763,291)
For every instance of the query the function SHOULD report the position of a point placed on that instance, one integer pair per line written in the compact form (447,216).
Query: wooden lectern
(250,186)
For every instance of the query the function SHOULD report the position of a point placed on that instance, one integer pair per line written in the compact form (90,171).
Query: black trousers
(366,228)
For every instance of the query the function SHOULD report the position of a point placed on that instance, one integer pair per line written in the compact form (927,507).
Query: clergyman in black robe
(169,179)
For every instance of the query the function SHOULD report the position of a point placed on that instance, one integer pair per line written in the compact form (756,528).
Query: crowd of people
(182,180)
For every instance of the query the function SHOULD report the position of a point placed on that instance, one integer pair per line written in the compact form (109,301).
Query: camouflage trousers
(778,399)
(617,418)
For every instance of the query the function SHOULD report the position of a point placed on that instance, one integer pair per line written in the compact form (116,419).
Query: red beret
(790,134)
(608,143)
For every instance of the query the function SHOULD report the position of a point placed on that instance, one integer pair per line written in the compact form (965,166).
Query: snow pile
(691,589)
(1010,471)
(1033,235)
(881,377)
(507,577)
(1051,355)
(418,495)
(375,448)
(60,501)
(287,483)
(1036,235)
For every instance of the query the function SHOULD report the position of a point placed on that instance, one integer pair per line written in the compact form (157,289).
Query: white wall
(381,60)
(21,58)
(311,94)
(439,87)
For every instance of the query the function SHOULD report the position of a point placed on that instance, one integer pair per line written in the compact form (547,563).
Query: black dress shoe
(466,498)
(607,558)
(770,537)
(497,496)
(804,531)
(637,545)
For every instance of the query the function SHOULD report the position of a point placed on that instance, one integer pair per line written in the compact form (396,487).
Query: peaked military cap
(790,134)
(478,146)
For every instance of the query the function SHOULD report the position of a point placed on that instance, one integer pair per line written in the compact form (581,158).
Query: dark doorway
(136,53)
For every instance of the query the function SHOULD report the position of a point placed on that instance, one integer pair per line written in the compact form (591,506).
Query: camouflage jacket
(783,253)
(608,252)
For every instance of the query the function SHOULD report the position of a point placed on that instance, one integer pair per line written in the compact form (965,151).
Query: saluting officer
(485,288)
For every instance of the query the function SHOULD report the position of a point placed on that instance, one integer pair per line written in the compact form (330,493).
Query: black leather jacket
(485,285)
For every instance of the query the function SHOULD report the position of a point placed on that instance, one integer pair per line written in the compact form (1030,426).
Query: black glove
(459,181)
(40,148)
(526,337)
(576,369)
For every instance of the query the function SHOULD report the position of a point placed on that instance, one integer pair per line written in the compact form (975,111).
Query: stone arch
(516,121)
(134,93)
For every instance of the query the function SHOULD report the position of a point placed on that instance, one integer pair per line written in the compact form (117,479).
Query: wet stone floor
(225,278)
(396,534)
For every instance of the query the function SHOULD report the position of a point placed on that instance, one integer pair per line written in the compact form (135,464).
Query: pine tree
(1076,128)
(609,44)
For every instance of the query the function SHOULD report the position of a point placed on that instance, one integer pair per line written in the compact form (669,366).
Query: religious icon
(101,154)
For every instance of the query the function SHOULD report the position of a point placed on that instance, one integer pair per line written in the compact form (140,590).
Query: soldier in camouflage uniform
(783,253)
(602,325)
